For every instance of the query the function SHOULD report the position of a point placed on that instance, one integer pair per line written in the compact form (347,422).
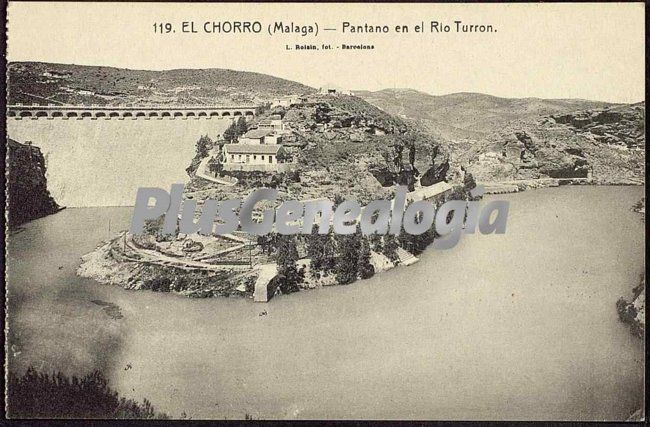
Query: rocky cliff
(606,145)
(620,126)
(499,139)
(28,195)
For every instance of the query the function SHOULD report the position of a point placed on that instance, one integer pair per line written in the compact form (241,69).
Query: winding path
(202,172)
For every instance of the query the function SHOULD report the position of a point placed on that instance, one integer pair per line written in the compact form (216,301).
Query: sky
(588,51)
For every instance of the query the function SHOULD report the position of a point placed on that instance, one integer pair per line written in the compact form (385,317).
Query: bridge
(108,112)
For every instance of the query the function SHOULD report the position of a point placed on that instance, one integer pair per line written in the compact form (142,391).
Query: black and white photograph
(325,211)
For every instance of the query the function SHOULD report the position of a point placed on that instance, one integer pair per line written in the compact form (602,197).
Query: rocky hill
(606,145)
(340,148)
(28,195)
(43,83)
(499,139)
(468,115)
(621,126)
(344,147)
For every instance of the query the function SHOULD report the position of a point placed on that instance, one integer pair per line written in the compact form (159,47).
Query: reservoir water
(516,326)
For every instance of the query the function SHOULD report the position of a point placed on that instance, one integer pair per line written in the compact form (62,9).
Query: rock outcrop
(503,140)
(633,312)
(606,145)
(28,195)
(620,126)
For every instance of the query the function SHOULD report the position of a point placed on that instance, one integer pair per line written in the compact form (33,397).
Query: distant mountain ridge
(43,83)
(467,114)
(501,139)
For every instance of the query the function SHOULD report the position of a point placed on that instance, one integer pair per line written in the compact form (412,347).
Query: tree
(316,250)
(266,243)
(241,127)
(321,249)
(364,267)
(215,166)
(203,146)
(286,257)
(416,244)
(42,395)
(235,130)
(347,261)
(389,249)
(230,134)
(376,242)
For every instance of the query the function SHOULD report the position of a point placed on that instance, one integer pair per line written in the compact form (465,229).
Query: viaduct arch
(94,112)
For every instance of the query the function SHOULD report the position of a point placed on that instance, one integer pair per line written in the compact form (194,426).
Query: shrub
(41,395)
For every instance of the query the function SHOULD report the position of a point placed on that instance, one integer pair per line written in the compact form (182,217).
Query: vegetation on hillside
(43,83)
(203,146)
(41,395)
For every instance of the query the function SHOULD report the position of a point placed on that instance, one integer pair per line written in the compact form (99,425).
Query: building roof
(252,149)
(257,133)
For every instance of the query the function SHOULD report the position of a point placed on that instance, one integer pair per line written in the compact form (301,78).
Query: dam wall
(103,162)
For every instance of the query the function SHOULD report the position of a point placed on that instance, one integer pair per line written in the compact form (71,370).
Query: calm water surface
(517,326)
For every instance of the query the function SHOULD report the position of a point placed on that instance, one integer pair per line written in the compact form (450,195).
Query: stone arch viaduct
(104,112)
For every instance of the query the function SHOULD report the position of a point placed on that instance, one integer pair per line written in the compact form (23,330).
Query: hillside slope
(607,145)
(468,115)
(343,146)
(43,83)
(499,139)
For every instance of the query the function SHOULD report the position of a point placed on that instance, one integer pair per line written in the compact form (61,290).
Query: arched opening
(11,113)
(178,114)
(249,114)
(203,114)
(86,114)
(153,114)
(100,114)
(190,114)
(127,114)
(140,114)
(41,114)
(114,114)
(72,114)
(166,114)
(226,114)
(237,113)
(57,114)
(25,114)
(214,114)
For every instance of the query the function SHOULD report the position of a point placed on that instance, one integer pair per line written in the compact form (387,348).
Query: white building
(333,90)
(273,123)
(253,154)
(260,136)
(286,101)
